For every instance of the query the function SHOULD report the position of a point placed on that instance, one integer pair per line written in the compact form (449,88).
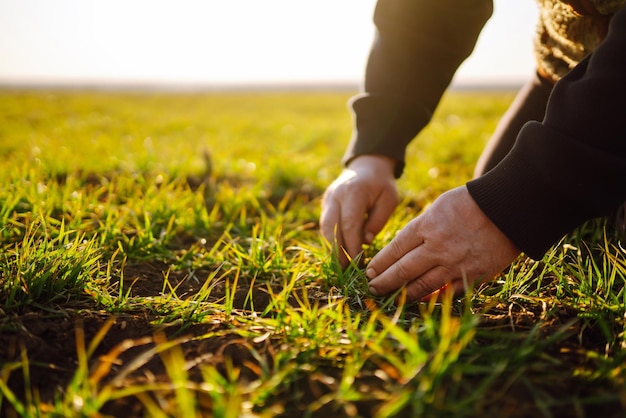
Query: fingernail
(373,291)
(370,273)
(369,237)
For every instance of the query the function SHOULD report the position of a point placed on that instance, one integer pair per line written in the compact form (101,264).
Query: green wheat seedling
(161,256)
(50,263)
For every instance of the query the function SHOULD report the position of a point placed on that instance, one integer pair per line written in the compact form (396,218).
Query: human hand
(452,243)
(357,205)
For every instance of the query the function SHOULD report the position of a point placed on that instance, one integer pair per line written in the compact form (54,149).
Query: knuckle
(402,272)
(395,248)
(345,186)
(350,224)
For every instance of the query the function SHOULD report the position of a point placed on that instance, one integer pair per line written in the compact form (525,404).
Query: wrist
(381,164)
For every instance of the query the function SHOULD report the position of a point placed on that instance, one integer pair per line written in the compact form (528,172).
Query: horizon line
(257,86)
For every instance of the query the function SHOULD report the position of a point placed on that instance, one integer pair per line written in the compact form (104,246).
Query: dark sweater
(569,168)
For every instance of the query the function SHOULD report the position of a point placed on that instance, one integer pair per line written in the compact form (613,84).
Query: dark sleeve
(418,47)
(571,167)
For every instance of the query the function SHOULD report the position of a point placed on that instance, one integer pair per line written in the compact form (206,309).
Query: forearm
(570,167)
(418,48)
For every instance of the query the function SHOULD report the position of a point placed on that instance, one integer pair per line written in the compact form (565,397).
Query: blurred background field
(246,134)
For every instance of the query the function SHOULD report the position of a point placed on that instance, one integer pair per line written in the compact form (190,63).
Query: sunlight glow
(210,41)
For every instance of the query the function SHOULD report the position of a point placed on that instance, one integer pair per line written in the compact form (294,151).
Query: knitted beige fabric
(568,30)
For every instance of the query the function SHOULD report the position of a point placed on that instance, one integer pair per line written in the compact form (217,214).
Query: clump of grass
(43,269)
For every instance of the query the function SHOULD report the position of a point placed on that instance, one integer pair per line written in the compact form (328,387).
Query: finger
(404,271)
(329,223)
(406,241)
(431,284)
(352,219)
(379,215)
(458,287)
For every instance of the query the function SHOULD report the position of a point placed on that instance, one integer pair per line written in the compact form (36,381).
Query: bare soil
(50,341)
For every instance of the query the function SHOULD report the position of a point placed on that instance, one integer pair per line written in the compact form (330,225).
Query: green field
(160,257)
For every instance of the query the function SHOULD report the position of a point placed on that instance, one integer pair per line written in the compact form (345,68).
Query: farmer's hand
(451,241)
(358,203)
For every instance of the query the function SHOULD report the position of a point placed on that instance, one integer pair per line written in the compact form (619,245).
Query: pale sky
(225,41)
